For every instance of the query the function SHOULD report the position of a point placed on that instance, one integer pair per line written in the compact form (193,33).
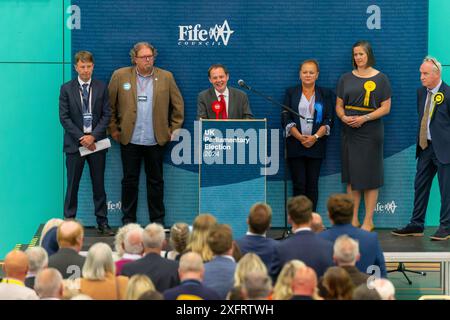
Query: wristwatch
(316,136)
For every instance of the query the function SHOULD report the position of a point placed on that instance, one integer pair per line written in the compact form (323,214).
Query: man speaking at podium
(221,101)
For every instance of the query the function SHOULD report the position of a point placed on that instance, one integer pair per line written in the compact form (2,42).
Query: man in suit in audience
(219,272)
(259,220)
(84,113)
(233,102)
(340,211)
(49,284)
(304,244)
(37,260)
(12,286)
(191,272)
(162,272)
(67,260)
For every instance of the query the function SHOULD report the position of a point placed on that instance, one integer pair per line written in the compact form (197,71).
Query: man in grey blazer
(231,103)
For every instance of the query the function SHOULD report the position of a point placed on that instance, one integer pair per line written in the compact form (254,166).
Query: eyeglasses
(146,57)
(434,62)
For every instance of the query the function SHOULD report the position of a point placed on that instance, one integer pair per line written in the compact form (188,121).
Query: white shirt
(302,229)
(81,82)
(432,106)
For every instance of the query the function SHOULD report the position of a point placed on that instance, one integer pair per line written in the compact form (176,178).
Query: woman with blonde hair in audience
(249,262)
(48,239)
(338,284)
(200,231)
(137,285)
(179,237)
(283,286)
(99,280)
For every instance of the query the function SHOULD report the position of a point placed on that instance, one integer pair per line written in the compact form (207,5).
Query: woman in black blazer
(306,138)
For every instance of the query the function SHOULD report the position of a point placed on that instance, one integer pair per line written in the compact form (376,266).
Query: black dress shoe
(105,230)
(408,231)
(441,234)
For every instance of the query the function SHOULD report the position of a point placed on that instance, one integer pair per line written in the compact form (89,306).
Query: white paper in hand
(99,145)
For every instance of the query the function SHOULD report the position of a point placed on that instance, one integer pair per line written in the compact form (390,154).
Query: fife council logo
(195,35)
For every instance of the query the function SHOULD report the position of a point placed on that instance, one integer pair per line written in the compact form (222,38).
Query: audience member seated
(191,273)
(37,260)
(363,292)
(99,279)
(283,286)
(49,284)
(337,284)
(12,286)
(219,272)
(235,294)
(304,284)
(304,244)
(199,236)
(256,285)
(48,239)
(70,240)
(163,272)
(317,223)
(259,220)
(248,263)
(120,238)
(179,237)
(132,248)
(340,212)
(137,285)
(236,251)
(384,287)
(151,295)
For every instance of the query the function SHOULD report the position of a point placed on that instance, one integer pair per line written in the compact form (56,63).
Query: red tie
(224,104)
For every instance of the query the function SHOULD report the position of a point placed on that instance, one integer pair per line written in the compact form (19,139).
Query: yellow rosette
(369,86)
(438,98)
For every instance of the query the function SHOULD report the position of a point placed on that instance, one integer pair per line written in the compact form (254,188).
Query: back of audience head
(304,282)
(283,286)
(300,211)
(384,287)
(120,237)
(52,223)
(70,235)
(340,208)
(37,259)
(137,285)
(16,265)
(363,292)
(346,251)
(151,295)
(338,284)
(259,218)
(154,237)
(49,284)
(198,238)
(235,294)
(220,240)
(179,236)
(249,262)
(99,262)
(256,285)
(191,267)
(317,223)
(236,251)
(133,243)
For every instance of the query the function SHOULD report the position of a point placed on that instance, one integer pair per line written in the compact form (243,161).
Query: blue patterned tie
(85,95)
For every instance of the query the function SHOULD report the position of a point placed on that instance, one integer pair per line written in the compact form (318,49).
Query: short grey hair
(48,283)
(99,262)
(437,66)
(37,258)
(191,262)
(257,285)
(138,46)
(346,250)
(120,237)
(154,236)
(130,245)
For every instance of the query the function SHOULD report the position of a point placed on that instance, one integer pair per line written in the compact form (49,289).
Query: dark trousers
(427,166)
(305,173)
(132,156)
(75,165)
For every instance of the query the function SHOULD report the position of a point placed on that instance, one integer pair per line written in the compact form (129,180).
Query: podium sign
(232,167)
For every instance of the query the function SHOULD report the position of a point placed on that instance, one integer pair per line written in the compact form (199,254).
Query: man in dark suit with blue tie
(432,151)
(304,244)
(84,112)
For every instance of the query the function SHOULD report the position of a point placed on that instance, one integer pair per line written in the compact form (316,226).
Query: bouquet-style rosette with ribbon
(217,108)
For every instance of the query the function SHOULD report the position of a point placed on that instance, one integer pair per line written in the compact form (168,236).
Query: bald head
(49,284)
(317,223)
(305,282)
(191,266)
(16,265)
(70,235)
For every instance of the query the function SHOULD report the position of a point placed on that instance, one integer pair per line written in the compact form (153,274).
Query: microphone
(242,84)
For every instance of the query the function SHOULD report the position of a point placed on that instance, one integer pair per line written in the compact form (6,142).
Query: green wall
(34,62)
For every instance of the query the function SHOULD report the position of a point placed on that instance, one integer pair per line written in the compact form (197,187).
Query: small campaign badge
(127,86)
